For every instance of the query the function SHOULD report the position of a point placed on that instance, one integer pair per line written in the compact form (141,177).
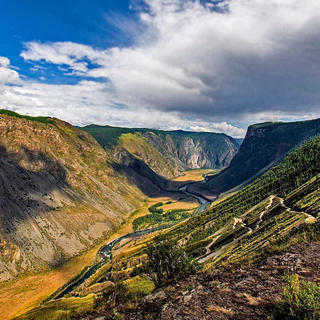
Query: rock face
(169,152)
(195,150)
(264,145)
(59,193)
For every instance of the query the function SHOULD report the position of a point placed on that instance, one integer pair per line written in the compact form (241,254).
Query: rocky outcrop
(249,293)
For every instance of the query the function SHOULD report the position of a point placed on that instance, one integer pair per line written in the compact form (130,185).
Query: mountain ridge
(270,213)
(179,149)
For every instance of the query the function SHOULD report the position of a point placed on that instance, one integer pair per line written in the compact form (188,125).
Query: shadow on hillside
(26,180)
(144,178)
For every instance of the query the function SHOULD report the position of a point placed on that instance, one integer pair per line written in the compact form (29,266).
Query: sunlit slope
(168,152)
(59,193)
(63,309)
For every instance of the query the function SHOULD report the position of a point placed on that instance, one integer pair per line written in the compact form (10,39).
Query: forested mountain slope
(293,184)
(263,146)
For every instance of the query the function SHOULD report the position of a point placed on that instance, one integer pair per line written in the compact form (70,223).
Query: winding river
(105,252)
(203,201)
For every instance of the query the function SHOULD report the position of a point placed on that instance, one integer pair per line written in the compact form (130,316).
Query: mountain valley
(91,207)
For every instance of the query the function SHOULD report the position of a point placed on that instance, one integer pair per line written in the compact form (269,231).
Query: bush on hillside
(300,300)
(167,263)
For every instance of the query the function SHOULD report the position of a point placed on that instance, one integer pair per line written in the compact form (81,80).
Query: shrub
(115,316)
(300,300)
(131,291)
(160,218)
(167,262)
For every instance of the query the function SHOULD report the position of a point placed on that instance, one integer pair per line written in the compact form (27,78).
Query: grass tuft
(300,300)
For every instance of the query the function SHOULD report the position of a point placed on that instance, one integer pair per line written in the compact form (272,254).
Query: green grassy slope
(107,136)
(46,120)
(137,145)
(63,309)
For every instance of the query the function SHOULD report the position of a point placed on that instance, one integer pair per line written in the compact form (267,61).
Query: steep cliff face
(263,146)
(59,193)
(194,150)
(169,152)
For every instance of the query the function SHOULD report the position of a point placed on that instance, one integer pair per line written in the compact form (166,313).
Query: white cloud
(63,53)
(258,60)
(91,102)
(7,74)
(223,126)
(4,62)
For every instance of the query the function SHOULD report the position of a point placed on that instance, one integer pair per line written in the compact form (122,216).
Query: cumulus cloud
(7,74)
(202,65)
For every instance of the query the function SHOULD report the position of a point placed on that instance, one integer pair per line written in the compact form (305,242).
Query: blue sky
(79,21)
(172,64)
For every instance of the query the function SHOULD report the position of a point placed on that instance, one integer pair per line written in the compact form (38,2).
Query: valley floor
(196,174)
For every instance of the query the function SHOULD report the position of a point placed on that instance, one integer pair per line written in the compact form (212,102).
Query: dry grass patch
(62,309)
(214,308)
(188,203)
(25,293)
